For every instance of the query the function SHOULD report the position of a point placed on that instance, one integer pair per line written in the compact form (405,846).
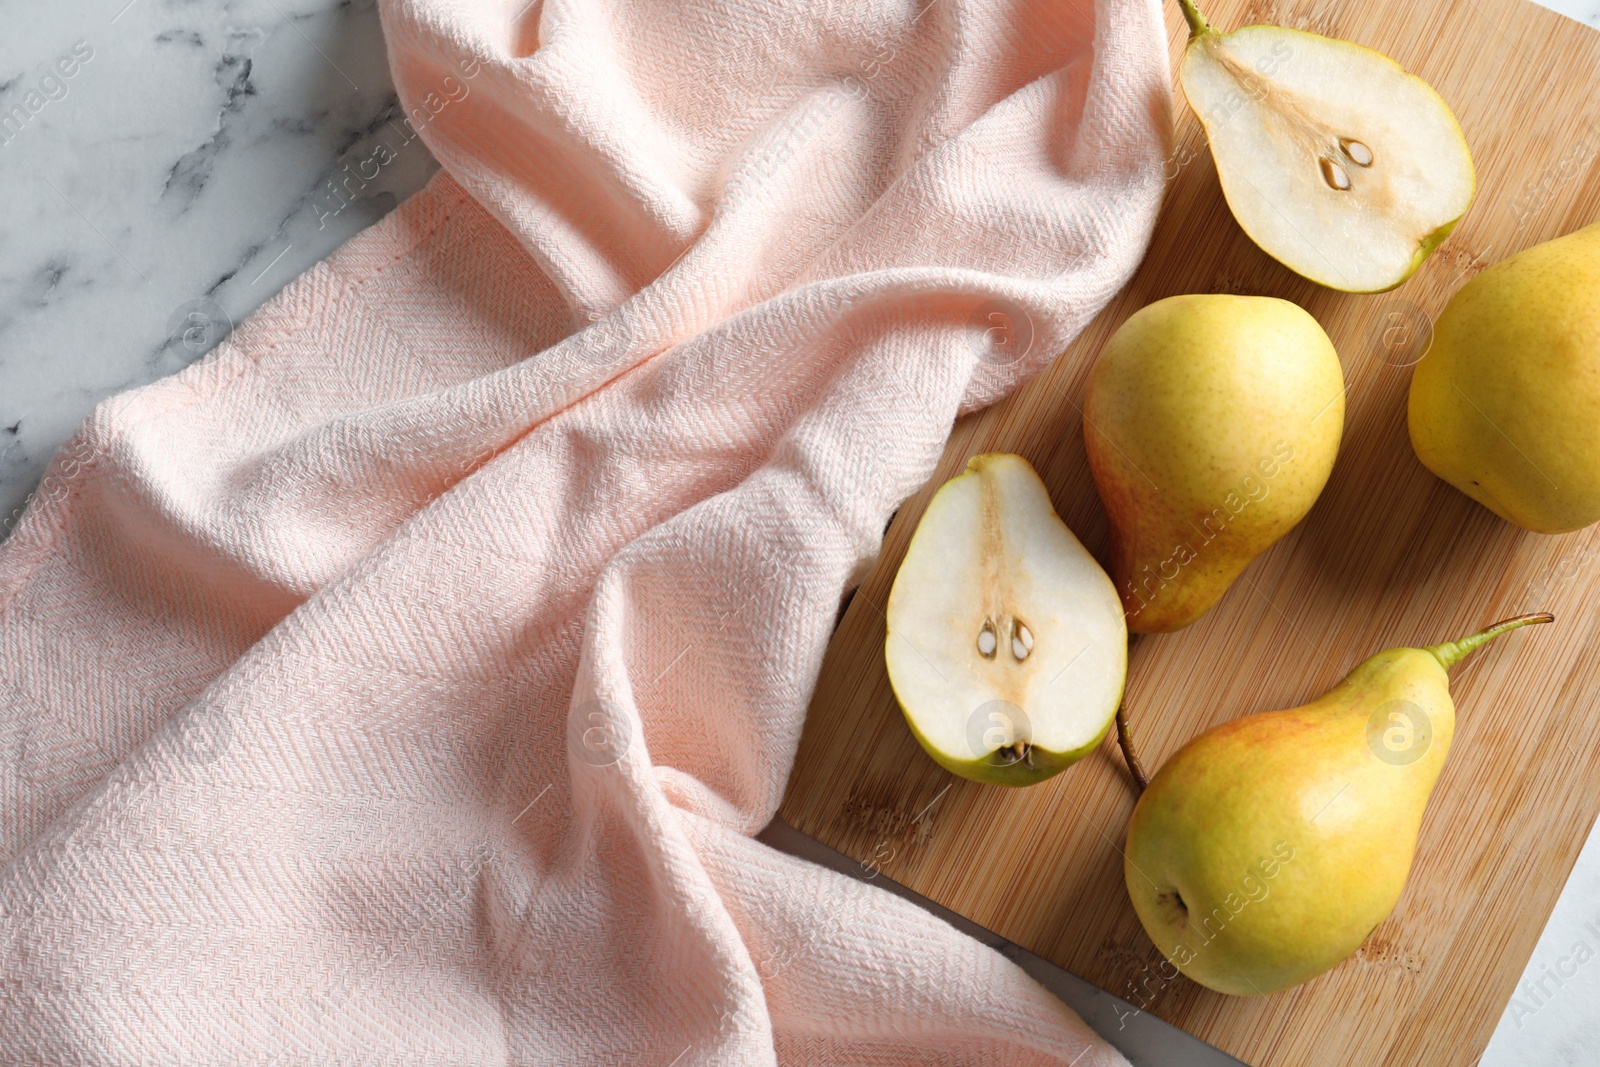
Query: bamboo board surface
(1389,556)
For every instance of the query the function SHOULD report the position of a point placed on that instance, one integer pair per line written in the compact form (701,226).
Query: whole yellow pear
(1266,850)
(1211,423)
(1506,404)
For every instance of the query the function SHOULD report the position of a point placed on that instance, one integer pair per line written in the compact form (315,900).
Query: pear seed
(1017,752)
(987,641)
(1359,153)
(1026,635)
(1334,174)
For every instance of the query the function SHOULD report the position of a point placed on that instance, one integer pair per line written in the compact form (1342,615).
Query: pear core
(1006,646)
(1337,162)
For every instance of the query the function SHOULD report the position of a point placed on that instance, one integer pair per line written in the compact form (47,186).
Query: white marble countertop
(184,172)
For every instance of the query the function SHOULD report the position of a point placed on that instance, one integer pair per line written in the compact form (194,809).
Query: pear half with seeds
(1007,648)
(1339,164)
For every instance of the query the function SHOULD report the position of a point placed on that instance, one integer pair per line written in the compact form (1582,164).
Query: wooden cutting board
(1389,556)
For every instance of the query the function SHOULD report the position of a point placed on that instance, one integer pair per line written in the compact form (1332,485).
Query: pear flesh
(1265,851)
(1006,647)
(1505,406)
(1334,160)
(1211,423)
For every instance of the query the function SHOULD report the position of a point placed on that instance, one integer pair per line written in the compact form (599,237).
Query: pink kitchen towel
(405,682)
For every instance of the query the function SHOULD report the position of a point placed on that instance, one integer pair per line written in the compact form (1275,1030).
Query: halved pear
(1339,164)
(1007,648)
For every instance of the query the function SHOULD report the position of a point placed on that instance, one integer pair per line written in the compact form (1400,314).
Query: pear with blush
(1211,423)
(1265,851)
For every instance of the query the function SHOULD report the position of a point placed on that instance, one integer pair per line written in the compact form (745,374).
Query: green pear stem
(1141,777)
(1448,654)
(1452,652)
(1197,22)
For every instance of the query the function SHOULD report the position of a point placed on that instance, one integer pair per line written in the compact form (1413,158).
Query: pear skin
(1265,851)
(1506,404)
(1211,424)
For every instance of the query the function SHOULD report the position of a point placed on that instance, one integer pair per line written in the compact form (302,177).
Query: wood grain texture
(1389,556)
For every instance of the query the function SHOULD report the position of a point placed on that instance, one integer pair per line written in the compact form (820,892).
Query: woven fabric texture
(404,682)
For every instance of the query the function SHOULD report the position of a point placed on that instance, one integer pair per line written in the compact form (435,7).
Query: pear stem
(1125,739)
(1448,654)
(1197,22)
(1452,652)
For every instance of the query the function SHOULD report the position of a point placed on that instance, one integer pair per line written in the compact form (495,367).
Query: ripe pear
(1339,164)
(1006,647)
(1505,406)
(1211,423)
(1267,849)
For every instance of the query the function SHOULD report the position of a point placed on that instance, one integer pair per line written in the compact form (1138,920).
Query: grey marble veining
(176,162)
(193,162)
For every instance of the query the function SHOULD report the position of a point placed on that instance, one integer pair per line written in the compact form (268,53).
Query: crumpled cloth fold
(405,682)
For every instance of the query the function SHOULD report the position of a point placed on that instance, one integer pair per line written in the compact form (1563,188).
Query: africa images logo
(51,88)
(1147,585)
(599,732)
